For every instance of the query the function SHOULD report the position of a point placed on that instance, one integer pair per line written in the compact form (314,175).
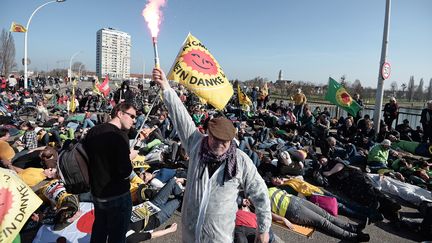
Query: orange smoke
(153,15)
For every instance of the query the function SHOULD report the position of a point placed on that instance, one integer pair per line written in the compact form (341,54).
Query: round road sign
(385,70)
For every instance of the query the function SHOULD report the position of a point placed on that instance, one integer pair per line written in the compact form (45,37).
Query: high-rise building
(113,53)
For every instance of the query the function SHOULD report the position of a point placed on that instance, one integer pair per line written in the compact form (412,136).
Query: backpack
(72,166)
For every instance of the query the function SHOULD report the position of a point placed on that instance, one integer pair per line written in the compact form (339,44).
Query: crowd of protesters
(230,173)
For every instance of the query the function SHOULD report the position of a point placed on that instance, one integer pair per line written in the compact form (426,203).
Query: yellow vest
(279,200)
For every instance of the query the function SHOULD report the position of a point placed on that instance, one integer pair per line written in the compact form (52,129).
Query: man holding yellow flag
(217,169)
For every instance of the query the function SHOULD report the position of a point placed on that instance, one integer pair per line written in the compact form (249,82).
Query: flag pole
(380,85)
(157,65)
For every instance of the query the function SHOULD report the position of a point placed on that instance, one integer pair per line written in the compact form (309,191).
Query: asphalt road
(379,232)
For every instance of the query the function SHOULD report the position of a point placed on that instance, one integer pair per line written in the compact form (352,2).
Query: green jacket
(378,154)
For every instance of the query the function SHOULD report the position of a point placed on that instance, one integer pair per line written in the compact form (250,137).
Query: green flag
(338,95)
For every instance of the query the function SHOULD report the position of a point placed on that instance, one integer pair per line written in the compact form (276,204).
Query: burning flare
(153,15)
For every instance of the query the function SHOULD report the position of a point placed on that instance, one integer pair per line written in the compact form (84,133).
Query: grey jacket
(209,204)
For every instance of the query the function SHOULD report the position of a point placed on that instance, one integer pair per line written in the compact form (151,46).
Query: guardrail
(411,114)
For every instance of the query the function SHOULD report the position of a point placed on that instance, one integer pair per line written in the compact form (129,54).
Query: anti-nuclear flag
(17,28)
(72,98)
(96,86)
(264,91)
(338,95)
(242,97)
(197,69)
(17,203)
(104,87)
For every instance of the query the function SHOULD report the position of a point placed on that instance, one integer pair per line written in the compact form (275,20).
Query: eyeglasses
(132,116)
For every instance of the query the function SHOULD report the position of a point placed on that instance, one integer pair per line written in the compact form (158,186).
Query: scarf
(230,157)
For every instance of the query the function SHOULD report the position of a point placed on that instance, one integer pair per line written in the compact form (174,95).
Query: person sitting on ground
(343,152)
(405,130)
(29,139)
(347,132)
(361,124)
(377,158)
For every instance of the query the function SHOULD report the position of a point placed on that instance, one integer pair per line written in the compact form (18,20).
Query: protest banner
(197,69)
(17,203)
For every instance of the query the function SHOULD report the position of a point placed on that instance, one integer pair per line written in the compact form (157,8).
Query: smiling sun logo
(200,61)
(197,69)
(343,98)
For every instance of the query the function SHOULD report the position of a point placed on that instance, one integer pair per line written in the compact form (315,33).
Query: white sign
(385,70)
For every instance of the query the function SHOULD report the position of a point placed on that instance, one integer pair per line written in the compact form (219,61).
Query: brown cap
(221,128)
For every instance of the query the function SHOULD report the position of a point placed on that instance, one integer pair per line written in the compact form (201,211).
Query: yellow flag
(17,203)
(96,86)
(197,69)
(264,91)
(17,28)
(72,102)
(242,97)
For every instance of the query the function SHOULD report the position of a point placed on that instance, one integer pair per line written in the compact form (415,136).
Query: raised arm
(180,117)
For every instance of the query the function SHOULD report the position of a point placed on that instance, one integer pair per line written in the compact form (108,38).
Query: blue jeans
(167,206)
(88,123)
(112,218)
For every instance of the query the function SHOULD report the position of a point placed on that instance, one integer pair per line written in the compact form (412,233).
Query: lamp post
(25,38)
(79,71)
(70,65)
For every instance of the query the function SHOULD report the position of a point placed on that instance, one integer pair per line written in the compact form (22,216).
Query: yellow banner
(17,28)
(72,99)
(197,69)
(139,162)
(264,91)
(17,203)
(242,97)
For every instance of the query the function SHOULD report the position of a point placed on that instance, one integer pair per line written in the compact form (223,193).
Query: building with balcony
(113,53)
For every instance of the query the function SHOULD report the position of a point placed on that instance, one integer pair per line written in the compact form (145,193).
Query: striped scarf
(230,156)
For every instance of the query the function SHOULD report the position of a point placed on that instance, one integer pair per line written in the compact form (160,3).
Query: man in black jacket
(110,166)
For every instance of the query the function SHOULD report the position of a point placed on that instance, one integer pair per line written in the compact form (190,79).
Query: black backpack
(73,168)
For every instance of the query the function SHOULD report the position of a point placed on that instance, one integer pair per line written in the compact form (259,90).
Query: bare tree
(429,93)
(403,87)
(357,87)
(7,52)
(76,66)
(343,80)
(393,88)
(411,88)
(419,91)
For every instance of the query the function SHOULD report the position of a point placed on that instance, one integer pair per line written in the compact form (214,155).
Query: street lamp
(79,71)
(70,65)
(25,38)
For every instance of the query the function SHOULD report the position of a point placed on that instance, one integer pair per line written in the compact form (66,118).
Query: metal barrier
(411,114)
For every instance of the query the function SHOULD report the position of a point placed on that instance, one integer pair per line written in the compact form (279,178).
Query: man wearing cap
(217,171)
(378,156)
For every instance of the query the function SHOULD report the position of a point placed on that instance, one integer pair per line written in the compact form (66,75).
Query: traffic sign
(385,70)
